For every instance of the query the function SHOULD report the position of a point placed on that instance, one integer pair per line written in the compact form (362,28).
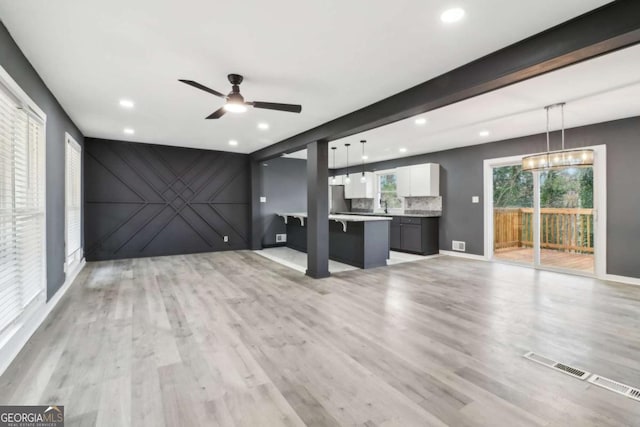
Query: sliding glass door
(566,219)
(513,214)
(545,219)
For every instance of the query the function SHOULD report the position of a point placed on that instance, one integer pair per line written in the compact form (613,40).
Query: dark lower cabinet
(414,234)
(411,237)
(395,240)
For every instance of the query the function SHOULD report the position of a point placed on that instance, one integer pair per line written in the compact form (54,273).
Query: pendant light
(363,178)
(557,159)
(333,177)
(347,180)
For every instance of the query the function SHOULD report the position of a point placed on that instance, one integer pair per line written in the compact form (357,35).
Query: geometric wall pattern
(150,200)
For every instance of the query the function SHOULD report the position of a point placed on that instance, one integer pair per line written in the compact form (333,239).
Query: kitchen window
(388,192)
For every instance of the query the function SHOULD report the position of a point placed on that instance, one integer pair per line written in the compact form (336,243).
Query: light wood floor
(549,258)
(234,339)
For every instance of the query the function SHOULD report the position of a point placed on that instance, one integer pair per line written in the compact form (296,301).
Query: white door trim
(68,267)
(599,203)
(489,164)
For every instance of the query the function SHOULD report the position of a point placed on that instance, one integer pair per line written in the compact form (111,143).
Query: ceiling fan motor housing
(235,97)
(235,79)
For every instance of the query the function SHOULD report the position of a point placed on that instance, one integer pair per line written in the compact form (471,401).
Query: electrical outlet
(281,238)
(475,199)
(263,199)
(225,238)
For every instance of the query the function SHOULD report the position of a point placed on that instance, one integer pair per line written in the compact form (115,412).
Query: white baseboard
(607,277)
(464,255)
(622,279)
(14,344)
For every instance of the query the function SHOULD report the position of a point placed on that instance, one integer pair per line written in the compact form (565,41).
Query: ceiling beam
(611,27)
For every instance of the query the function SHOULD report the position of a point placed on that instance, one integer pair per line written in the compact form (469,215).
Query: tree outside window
(388,192)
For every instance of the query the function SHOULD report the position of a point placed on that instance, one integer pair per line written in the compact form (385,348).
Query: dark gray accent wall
(461,177)
(58,122)
(151,200)
(283,182)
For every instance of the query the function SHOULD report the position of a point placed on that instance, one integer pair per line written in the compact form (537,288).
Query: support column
(318,209)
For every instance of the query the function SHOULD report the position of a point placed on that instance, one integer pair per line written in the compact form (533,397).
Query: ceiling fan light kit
(234,101)
(233,107)
(557,159)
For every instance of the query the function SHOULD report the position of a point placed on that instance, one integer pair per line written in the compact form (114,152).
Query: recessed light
(233,142)
(403,150)
(126,103)
(484,133)
(129,131)
(263,126)
(421,121)
(452,15)
(365,157)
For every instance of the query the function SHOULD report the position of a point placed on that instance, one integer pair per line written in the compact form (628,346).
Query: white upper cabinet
(338,181)
(419,180)
(360,190)
(403,181)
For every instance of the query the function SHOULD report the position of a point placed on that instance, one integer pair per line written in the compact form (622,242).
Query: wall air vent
(616,387)
(553,364)
(459,246)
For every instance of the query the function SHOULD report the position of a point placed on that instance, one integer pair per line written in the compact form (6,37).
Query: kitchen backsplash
(362,205)
(411,204)
(423,203)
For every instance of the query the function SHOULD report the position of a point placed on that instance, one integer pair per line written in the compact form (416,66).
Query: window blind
(73,201)
(22,209)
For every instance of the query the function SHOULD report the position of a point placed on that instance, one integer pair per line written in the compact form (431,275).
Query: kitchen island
(358,240)
(412,232)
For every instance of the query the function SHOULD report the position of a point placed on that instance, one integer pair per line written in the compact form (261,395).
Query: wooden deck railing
(564,229)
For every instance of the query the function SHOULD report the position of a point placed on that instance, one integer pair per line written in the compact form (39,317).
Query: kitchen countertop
(376,214)
(341,217)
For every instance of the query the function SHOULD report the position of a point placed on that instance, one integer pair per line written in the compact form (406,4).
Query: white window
(73,200)
(22,207)
(388,191)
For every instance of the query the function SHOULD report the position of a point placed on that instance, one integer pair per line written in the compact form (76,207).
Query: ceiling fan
(235,102)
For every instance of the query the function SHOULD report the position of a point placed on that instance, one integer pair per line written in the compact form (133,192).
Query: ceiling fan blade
(292,108)
(202,87)
(217,114)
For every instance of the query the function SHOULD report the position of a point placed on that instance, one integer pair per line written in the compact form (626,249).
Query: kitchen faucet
(386,206)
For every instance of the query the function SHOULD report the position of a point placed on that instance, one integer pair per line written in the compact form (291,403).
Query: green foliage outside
(512,188)
(563,188)
(388,192)
(570,188)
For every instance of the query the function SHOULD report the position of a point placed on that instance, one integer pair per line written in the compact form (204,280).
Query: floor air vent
(553,364)
(616,387)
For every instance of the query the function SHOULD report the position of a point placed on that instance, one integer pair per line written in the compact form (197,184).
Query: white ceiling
(602,89)
(331,56)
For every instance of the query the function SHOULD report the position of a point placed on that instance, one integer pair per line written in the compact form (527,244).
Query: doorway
(546,219)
